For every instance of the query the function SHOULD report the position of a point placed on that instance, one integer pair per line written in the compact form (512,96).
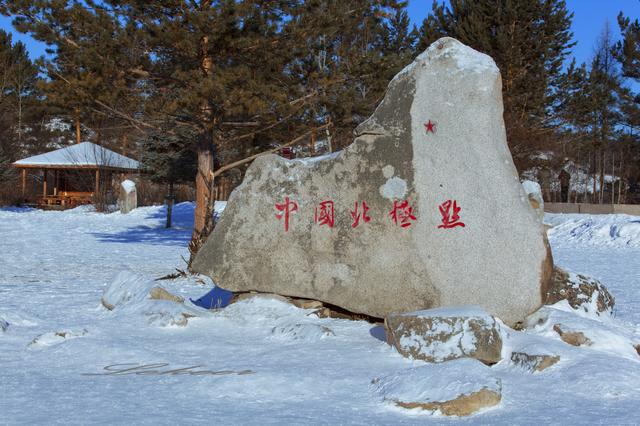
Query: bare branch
(270,151)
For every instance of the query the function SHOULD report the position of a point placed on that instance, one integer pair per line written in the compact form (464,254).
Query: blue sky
(589,18)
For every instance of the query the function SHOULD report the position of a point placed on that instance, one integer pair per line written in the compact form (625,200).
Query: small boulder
(581,292)
(534,363)
(443,334)
(456,388)
(128,197)
(574,338)
(304,331)
(55,338)
(159,293)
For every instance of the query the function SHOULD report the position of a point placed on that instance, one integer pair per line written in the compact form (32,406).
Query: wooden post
(55,182)
(312,143)
(24,182)
(97,183)
(44,184)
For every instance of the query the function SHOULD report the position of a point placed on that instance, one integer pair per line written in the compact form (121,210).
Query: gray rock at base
(160,293)
(581,292)
(573,338)
(128,196)
(53,338)
(439,335)
(435,154)
(534,362)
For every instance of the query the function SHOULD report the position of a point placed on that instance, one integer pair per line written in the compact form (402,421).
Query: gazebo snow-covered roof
(83,155)
(82,174)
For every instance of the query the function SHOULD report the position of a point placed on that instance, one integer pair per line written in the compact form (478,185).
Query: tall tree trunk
(20,117)
(77,120)
(203,220)
(125,144)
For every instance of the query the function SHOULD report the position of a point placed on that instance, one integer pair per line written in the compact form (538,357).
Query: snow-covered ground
(263,361)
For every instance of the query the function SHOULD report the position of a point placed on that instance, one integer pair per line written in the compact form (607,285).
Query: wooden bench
(65,200)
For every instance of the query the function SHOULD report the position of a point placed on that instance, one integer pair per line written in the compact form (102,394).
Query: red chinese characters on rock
(450,215)
(285,210)
(402,214)
(325,214)
(358,214)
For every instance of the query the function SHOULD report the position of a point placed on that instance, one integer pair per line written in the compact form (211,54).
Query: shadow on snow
(178,234)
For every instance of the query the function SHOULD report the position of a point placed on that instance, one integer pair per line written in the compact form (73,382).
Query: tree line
(197,88)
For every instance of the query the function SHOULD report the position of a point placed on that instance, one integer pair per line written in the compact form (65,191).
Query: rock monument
(423,210)
(128,197)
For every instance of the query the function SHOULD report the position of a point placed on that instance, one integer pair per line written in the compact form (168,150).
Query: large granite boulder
(423,210)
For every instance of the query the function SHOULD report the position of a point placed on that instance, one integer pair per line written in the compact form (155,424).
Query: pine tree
(168,158)
(628,50)
(628,54)
(348,52)
(18,79)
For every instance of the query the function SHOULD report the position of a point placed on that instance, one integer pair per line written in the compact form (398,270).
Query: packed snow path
(54,267)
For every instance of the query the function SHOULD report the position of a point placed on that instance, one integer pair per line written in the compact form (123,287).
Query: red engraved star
(430,126)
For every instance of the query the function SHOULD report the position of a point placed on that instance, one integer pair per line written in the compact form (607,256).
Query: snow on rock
(126,287)
(534,192)
(307,161)
(128,196)
(582,293)
(128,185)
(576,328)
(3,325)
(534,362)
(454,388)
(131,293)
(442,334)
(302,331)
(611,230)
(465,58)
(56,338)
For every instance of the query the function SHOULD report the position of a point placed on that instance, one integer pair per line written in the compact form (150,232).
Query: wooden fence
(632,209)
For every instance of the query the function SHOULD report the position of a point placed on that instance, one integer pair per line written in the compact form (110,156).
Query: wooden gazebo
(74,175)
